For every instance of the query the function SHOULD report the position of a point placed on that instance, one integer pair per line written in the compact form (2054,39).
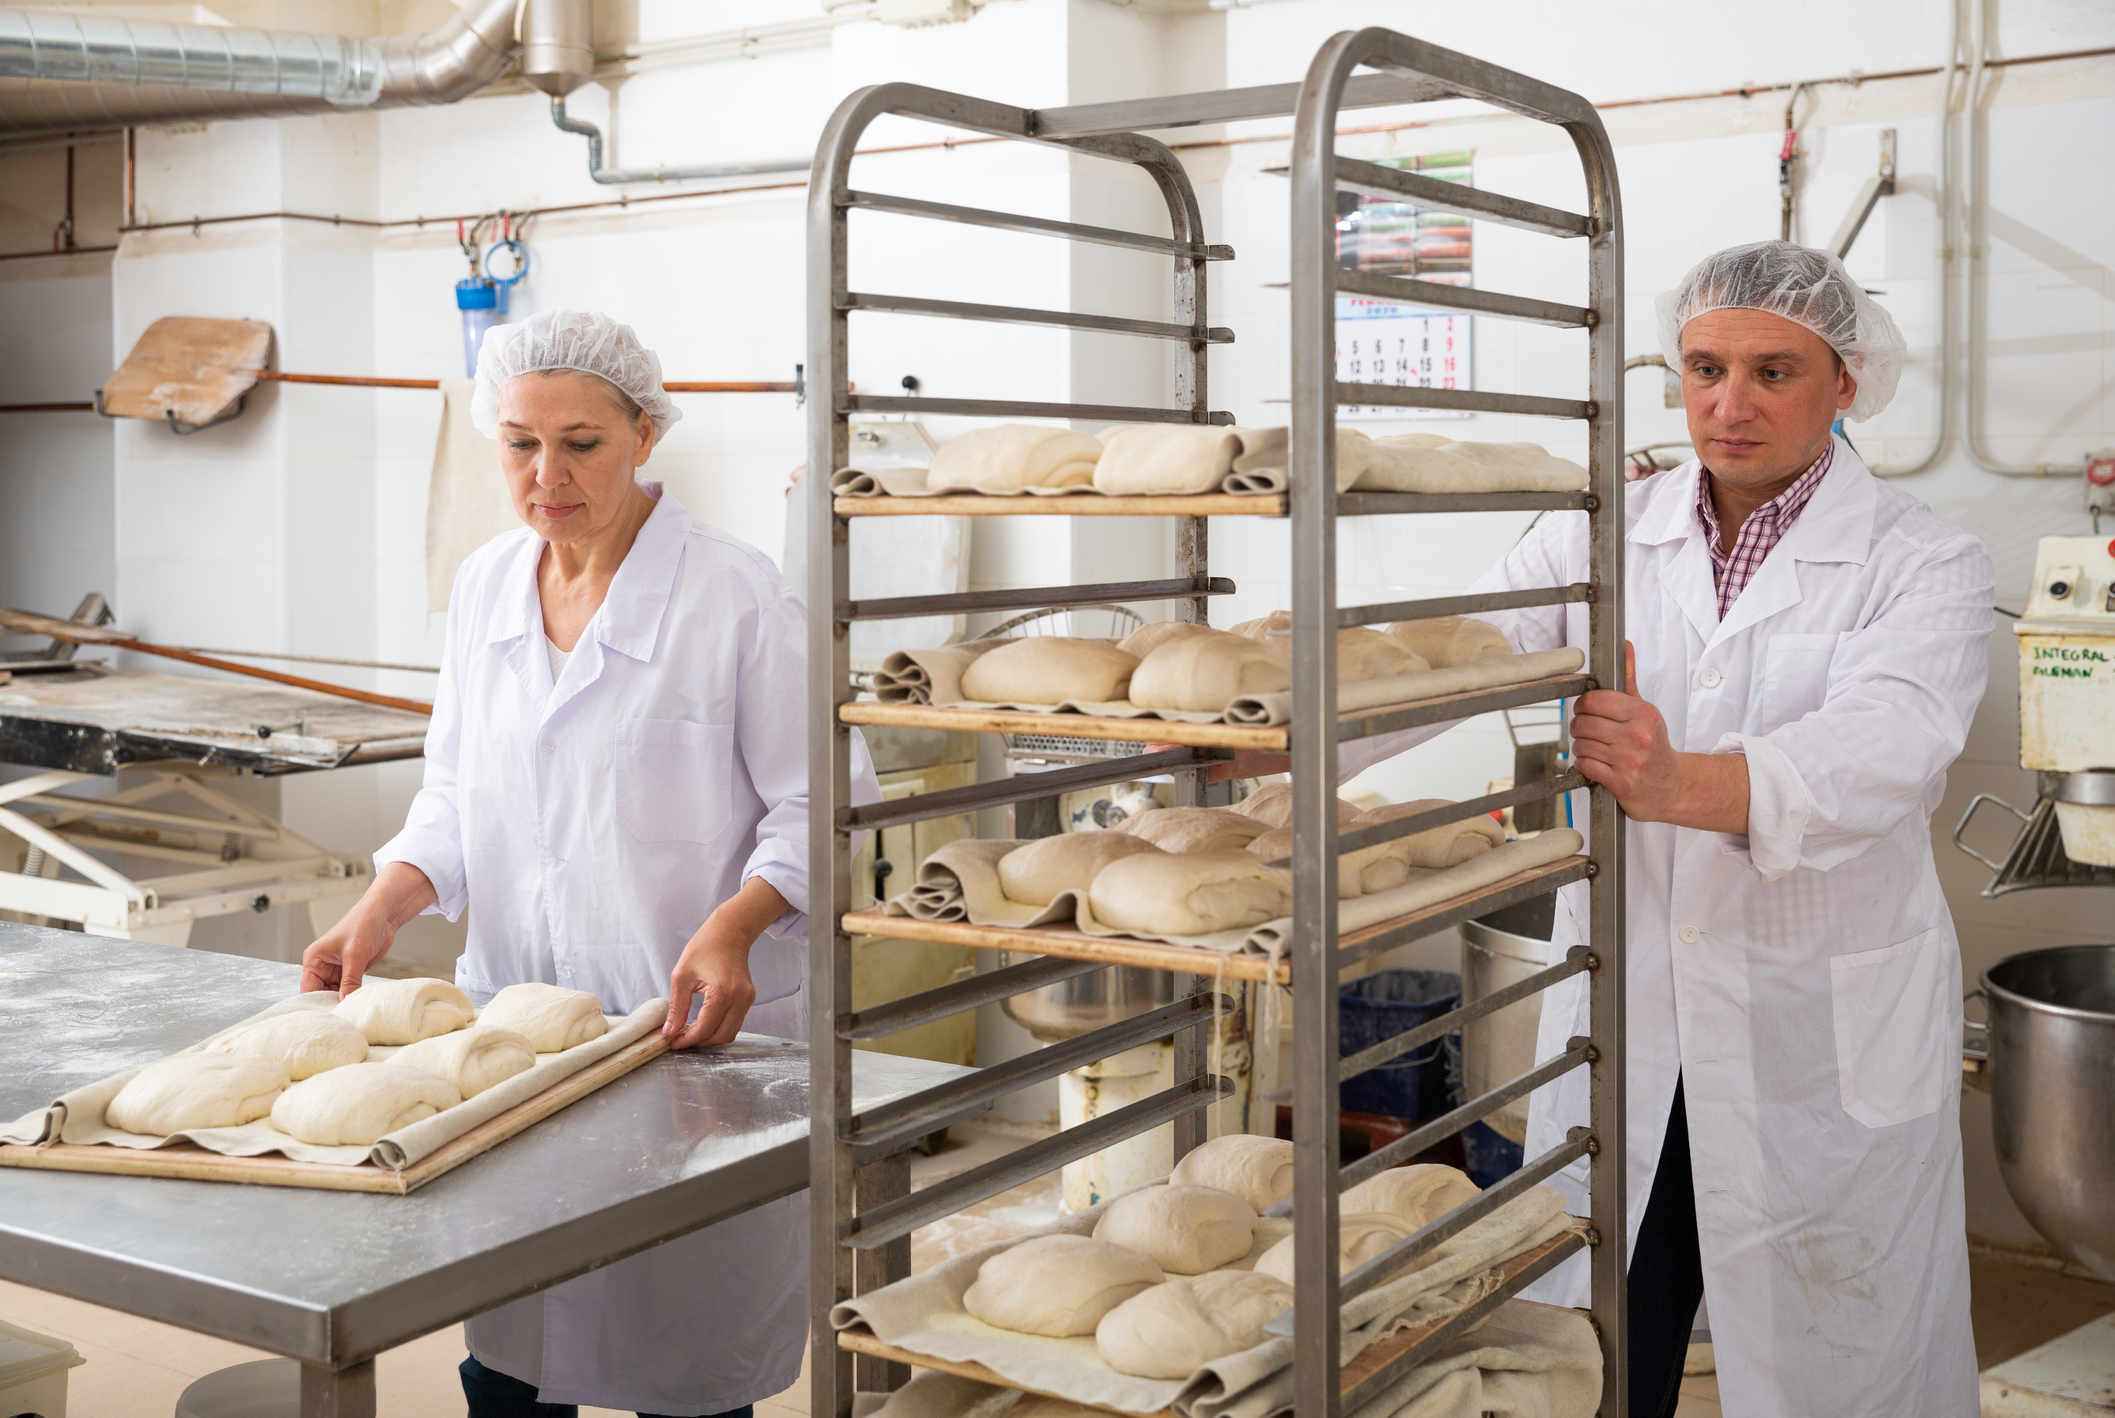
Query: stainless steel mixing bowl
(2052,1087)
(1071,1007)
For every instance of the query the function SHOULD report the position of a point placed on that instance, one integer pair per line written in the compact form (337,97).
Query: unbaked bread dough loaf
(1033,875)
(1012,457)
(1412,440)
(1522,466)
(1151,458)
(1186,894)
(1271,805)
(1202,673)
(1268,449)
(307,1042)
(1048,669)
(1057,1285)
(1156,633)
(1360,1237)
(1416,1195)
(551,1017)
(199,1090)
(1186,1230)
(1448,640)
(472,1059)
(1361,653)
(1440,847)
(1259,1170)
(1172,1330)
(406,1011)
(1369,870)
(1193,829)
(360,1105)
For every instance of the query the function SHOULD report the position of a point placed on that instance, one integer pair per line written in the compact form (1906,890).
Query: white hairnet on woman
(616,790)
(1804,286)
(584,340)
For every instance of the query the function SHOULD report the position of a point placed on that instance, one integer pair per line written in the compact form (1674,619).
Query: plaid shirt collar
(1731,571)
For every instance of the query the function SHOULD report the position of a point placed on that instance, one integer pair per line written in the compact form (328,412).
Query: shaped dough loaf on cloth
(306,1042)
(471,1059)
(551,1017)
(1449,640)
(1186,1230)
(1173,1330)
(1366,872)
(1186,894)
(1440,847)
(1259,1170)
(1049,669)
(361,1105)
(1057,1285)
(1361,653)
(405,1011)
(1156,633)
(1202,673)
(1416,1195)
(1034,875)
(1192,829)
(197,1091)
(1014,457)
(1271,805)
(1265,462)
(1410,463)
(1165,458)
(1360,1237)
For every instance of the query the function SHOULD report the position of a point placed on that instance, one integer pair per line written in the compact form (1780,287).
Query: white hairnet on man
(1804,286)
(584,340)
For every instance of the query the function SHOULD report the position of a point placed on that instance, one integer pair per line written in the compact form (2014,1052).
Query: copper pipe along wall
(674,386)
(47,408)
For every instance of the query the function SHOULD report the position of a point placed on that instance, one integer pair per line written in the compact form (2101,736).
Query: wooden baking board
(1202,504)
(192,1163)
(1080,726)
(1155,955)
(861,1340)
(190,368)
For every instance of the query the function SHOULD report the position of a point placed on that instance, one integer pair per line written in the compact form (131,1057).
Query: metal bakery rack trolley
(864,1213)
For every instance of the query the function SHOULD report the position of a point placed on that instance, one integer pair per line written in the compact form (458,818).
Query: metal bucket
(1497,950)
(2052,1093)
(1071,1007)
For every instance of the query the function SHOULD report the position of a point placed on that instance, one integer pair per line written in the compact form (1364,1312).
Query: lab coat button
(549,747)
(1691,935)
(1709,677)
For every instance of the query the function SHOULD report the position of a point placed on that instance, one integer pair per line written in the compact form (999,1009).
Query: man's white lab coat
(592,826)
(1803,980)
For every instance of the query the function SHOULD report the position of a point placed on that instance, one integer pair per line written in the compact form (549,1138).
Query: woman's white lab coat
(1803,980)
(591,826)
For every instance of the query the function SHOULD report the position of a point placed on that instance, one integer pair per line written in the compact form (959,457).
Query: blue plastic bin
(1381,1006)
(1491,1159)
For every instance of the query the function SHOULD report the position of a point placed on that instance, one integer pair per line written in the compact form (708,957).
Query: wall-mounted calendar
(1380,343)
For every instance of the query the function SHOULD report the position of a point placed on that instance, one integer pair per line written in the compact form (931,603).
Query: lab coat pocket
(1795,678)
(1896,1035)
(673,779)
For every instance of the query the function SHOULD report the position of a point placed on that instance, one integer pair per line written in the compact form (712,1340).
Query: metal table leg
(338,1393)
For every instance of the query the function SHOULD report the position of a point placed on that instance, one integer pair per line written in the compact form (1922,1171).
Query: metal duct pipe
(71,72)
(557,45)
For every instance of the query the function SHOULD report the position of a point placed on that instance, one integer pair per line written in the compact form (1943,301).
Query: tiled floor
(136,1368)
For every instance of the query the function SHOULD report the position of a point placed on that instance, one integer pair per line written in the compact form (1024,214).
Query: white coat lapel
(517,622)
(1837,525)
(629,621)
(1686,577)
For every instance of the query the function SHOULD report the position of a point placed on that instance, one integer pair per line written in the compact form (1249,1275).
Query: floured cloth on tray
(1174,460)
(934,677)
(1525,1361)
(960,882)
(78,1117)
(924,1314)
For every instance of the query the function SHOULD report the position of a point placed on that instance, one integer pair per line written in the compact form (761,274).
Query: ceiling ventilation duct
(63,72)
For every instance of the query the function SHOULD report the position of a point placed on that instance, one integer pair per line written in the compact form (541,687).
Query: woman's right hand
(340,957)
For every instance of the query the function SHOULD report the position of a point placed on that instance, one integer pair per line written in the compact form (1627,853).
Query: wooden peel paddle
(30,623)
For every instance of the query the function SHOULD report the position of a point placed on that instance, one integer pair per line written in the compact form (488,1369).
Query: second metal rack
(863,1211)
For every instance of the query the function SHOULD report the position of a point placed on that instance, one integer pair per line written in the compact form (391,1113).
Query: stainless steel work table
(334,1278)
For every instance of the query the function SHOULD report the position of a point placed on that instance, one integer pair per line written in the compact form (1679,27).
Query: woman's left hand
(715,968)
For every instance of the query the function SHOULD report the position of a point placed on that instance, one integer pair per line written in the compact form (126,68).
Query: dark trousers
(493,1394)
(1666,1277)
